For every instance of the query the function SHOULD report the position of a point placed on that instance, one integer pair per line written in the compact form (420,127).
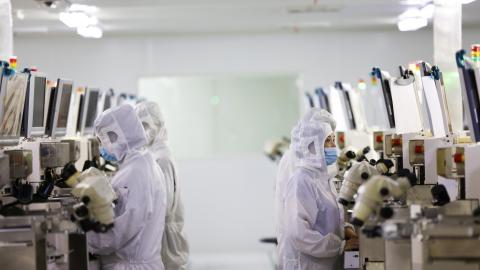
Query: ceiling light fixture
(91,31)
(19,14)
(80,17)
(412,24)
(77,19)
(410,13)
(427,11)
(412,20)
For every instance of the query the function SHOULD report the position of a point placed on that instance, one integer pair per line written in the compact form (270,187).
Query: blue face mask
(107,156)
(331,155)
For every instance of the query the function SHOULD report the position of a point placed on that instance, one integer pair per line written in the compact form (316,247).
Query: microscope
(447,236)
(274,149)
(371,196)
(357,175)
(380,198)
(95,212)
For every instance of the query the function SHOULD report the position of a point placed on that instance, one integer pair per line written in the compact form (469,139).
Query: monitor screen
(39,101)
(92,108)
(51,101)
(107,103)
(80,111)
(65,95)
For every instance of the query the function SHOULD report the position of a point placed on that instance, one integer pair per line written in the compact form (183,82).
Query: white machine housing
(461,161)
(46,153)
(423,151)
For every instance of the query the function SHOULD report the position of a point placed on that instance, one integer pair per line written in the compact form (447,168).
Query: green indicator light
(362,86)
(215,100)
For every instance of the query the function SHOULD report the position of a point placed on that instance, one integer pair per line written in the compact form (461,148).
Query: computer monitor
(59,108)
(12,101)
(106,101)
(309,100)
(33,114)
(108,98)
(387,94)
(323,99)
(88,110)
(469,76)
(348,105)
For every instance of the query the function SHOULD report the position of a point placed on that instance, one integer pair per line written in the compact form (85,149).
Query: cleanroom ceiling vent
(312,9)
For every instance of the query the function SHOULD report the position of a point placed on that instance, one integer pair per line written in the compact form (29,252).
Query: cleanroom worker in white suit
(175,249)
(310,223)
(135,240)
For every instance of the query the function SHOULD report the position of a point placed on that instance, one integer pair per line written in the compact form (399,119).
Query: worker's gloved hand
(350,233)
(352,244)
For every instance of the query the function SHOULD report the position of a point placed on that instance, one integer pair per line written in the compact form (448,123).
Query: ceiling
(225,16)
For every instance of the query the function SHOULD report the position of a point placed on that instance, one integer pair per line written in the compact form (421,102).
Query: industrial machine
(43,219)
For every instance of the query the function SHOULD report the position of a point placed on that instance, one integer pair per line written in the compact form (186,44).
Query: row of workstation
(415,199)
(54,186)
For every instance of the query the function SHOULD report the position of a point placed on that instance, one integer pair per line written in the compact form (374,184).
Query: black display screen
(38,101)
(64,105)
(108,103)
(92,109)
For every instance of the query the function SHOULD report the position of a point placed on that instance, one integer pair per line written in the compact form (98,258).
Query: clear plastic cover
(13,104)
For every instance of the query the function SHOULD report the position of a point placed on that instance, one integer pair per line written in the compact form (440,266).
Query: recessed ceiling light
(90,31)
(77,19)
(19,14)
(427,11)
(410,13)
(412,24)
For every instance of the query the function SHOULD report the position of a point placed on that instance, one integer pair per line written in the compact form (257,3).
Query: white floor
(253,261)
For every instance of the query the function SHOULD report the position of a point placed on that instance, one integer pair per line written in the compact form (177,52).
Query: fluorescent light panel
(77,19)
(412,24)
(91,31)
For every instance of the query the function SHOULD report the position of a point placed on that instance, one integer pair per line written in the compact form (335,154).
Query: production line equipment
(425,216)
(46,202)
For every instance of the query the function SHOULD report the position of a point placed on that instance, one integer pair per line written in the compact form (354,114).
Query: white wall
(119,61)
(226,218)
